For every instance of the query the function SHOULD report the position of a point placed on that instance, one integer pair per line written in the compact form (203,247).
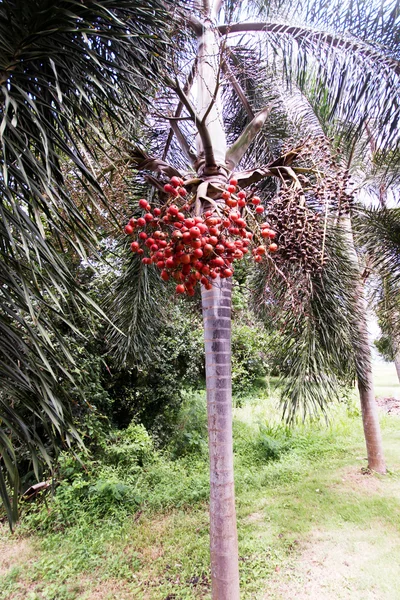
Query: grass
(385,380)
(310,523)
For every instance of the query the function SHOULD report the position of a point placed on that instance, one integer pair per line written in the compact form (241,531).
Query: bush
(250,345)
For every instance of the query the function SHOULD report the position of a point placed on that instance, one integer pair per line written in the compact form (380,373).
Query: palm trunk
(223,535)
(369,411)
(397,364)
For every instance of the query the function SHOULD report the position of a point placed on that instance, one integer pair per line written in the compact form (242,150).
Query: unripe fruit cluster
(201,248)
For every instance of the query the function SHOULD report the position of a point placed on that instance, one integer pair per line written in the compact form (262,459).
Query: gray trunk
(369,411)
(223,535)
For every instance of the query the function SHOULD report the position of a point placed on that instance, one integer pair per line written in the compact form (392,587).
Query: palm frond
(69,72)
(318,346)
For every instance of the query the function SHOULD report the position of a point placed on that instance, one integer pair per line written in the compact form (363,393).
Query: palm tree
(221,104)
(68,72)
(227,84)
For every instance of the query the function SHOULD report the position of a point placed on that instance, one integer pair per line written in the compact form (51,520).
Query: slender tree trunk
(369,411)
(396,348)
(223,534)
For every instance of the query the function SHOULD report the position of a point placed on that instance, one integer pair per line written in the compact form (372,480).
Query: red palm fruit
(169,263)
(259,210)
(128,229)
(213,240)
(197,275)
(175,181)
(245,250)
(231,189)
(226,223)
(160,264)
(146,261)
(219,248)
(162,244)
(242,194)
(273,247)
(234,230)
(255,200)
(176,235)
(157,212)
(168,188)
(198,220)
(196,244)
(132,222)
(231,202)
(208,213)
(207,249)
(212,221)
(249,235)
(238,254)
(143,203)
(271,234)
(203,227)
(198,253)
(194,232)
(214,231)
(185,259)
(204,280)
(258,258)
(180,216)
(205,269)
(173,210)
(265,233)
(141,222)
(166,219)
(157,235)
(241,223)
(154,248)
(186,269)
(186,237)
(260,250)
(148,217)
(134,246)
(174,192)
(225,195)
(164,275)
(227,273)
(234,216)
(189,223)
(143,235)
(218,261)
(213,274)
(208,286)
(233,181)
(230,245)
(190,291)
(182,192)
(180,289)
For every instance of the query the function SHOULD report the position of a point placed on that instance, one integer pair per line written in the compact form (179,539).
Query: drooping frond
(67,70)
(378,234)
(317,342)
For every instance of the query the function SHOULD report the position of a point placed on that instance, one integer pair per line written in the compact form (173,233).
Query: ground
(313,524)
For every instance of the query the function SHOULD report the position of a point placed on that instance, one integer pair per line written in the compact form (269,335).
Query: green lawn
(312,524)
(385,380)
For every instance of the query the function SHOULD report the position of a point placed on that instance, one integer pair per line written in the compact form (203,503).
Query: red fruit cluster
(201,248)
